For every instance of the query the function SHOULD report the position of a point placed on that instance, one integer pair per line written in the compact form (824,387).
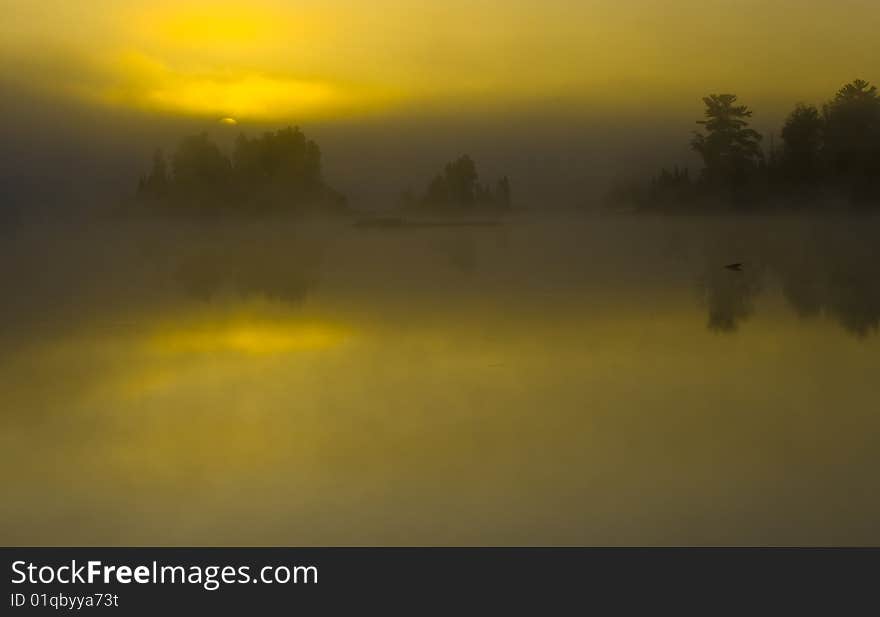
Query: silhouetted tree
(823,154)
(155,185)
(729,149)
(671,186)
(802,144)
(277,170)
(502,192)
(459,185)
(852,138)
(199,167)
(461,180)
(284,157)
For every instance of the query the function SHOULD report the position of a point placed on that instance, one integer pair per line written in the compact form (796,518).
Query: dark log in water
(396,221)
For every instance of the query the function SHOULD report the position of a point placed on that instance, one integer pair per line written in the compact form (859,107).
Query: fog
(254,338)
(560,379)
(415,273)
(65,159)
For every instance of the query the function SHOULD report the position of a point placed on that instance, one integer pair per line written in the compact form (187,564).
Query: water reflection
(730,295)
(548,382)
(262,261)
(824,267)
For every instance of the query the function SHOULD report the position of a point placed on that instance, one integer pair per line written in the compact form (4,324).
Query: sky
(406,63)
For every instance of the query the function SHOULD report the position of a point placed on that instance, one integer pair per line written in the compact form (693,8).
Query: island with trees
(281,172)
(276,172)
(457,189)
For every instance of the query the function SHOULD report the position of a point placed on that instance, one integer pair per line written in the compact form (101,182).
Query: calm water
(561,381)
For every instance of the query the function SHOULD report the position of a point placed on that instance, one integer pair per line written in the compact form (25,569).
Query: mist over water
(550,380)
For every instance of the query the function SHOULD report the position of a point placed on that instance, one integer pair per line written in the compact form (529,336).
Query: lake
(560,380)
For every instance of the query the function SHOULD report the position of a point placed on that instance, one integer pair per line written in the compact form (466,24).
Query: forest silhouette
(277,171)
(458,187)
(282,172)
(827,157)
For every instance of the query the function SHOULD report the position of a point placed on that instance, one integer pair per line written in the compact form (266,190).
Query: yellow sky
(281,59)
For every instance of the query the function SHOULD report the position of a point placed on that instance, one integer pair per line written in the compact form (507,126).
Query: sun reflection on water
(254,338)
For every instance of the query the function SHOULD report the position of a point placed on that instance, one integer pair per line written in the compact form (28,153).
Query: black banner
(135,581)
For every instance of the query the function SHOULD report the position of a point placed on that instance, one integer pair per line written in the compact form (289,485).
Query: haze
(570,92)
(423,272)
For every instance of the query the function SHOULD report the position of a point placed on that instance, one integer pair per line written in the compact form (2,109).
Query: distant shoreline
(391,222)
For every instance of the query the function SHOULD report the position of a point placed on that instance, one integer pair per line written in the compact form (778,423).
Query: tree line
(826,156)
(458,187)
(278,170)
(282,171)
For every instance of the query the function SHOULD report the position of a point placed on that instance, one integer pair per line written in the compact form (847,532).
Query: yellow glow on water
(547,396)
(543,434)
(249,338)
